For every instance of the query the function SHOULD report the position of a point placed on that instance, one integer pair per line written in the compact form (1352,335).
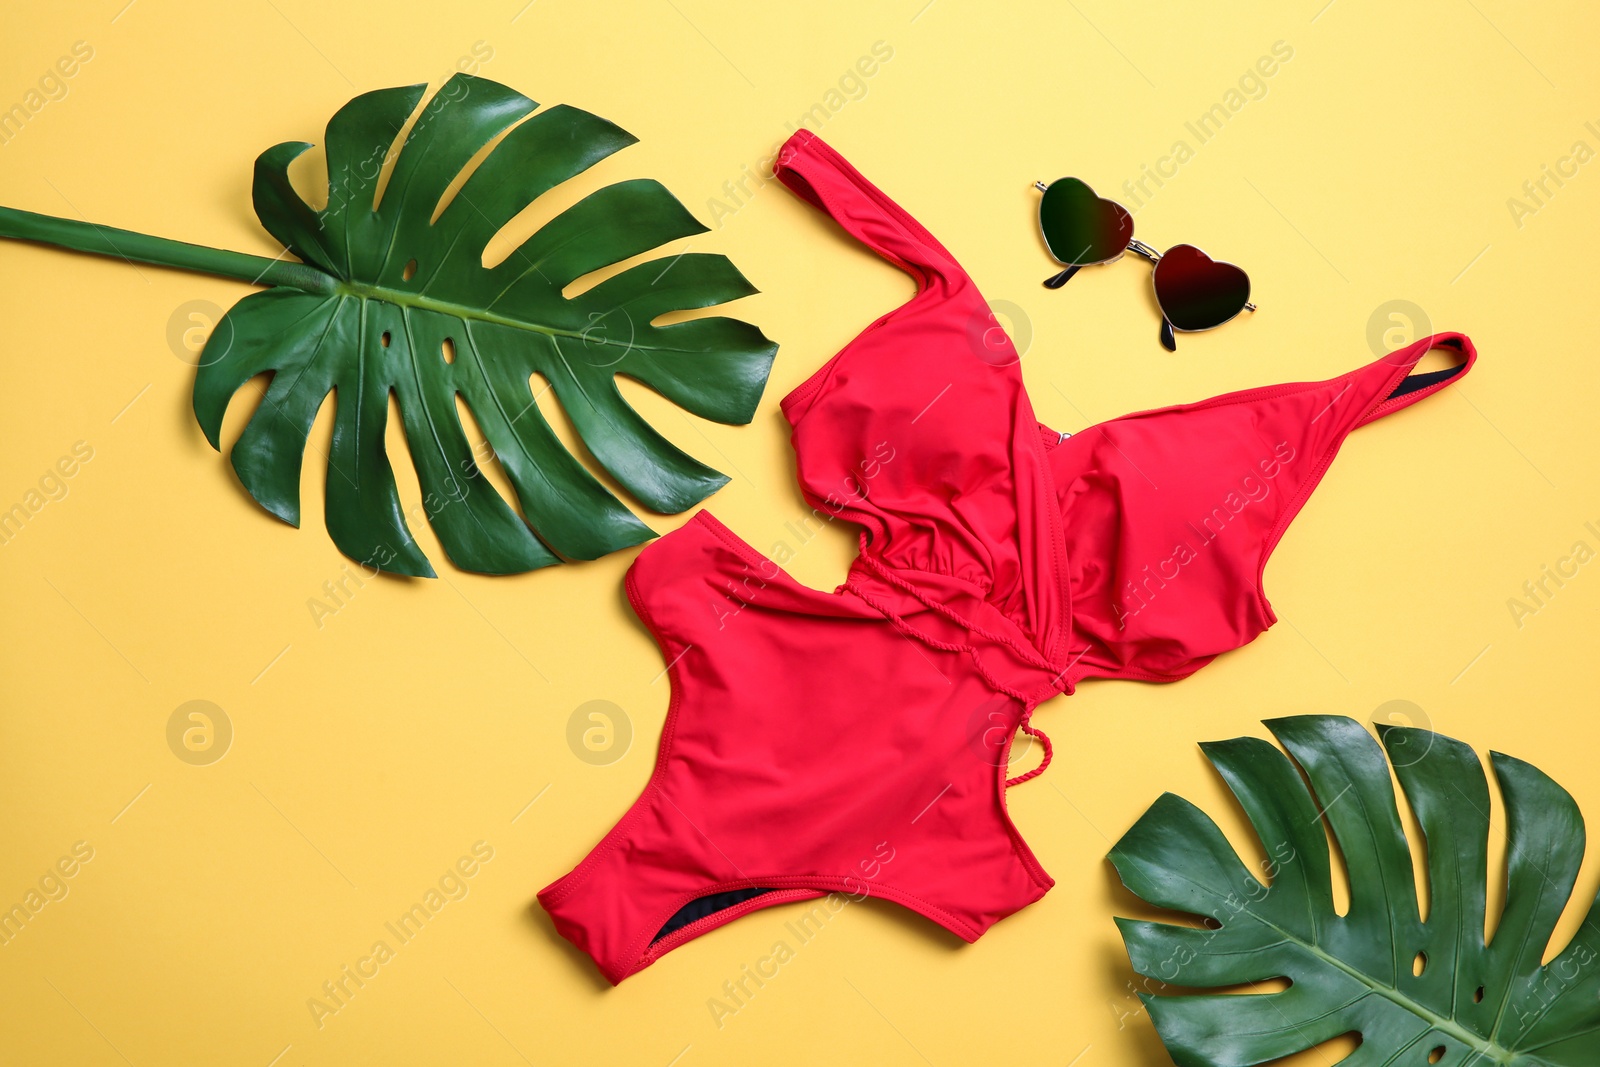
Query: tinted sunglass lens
(1196,292)
(1081,228)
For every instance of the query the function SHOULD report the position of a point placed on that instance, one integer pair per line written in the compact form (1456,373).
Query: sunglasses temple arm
(1168,340)
(1061,279)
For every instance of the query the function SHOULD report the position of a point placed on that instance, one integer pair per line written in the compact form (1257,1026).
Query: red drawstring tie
(1028,728)
(911,631)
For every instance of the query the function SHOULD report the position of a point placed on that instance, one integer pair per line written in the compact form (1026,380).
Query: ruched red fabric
(856,742)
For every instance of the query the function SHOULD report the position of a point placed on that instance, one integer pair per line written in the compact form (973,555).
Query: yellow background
(371,752)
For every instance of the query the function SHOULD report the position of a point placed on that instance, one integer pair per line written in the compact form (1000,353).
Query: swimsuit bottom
(856,742)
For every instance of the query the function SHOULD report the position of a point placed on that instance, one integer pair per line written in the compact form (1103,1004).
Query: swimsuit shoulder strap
(1405,388)
(826,180)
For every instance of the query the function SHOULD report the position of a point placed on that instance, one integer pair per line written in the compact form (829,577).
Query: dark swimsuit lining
(1412,382)
(700,907)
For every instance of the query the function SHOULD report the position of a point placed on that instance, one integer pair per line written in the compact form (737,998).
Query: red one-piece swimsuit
(856,742)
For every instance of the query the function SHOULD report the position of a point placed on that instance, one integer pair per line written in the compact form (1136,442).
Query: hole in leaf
(359,179)
(246,403)
(485,462)
(308,174)
(1338,1049)
(384,340)
(663,257)
(1175,988)
(448,196)
(1437,1054)
(1477,996)
(547,406)
(1266,985)
(672,318)
(509,238)
(1499,870)
(418,505)
(448,350)
(410,271)
(1418,843)
(1419,964)
(1338,869)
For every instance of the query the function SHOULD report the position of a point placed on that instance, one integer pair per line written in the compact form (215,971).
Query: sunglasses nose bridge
(1140,248)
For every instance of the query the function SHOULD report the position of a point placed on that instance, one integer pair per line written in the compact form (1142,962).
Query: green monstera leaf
(392,297)
(1417,992)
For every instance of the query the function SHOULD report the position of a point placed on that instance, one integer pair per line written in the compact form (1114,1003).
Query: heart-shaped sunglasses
(1194,291)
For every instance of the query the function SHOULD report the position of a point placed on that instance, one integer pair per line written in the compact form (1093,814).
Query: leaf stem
(161,251)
